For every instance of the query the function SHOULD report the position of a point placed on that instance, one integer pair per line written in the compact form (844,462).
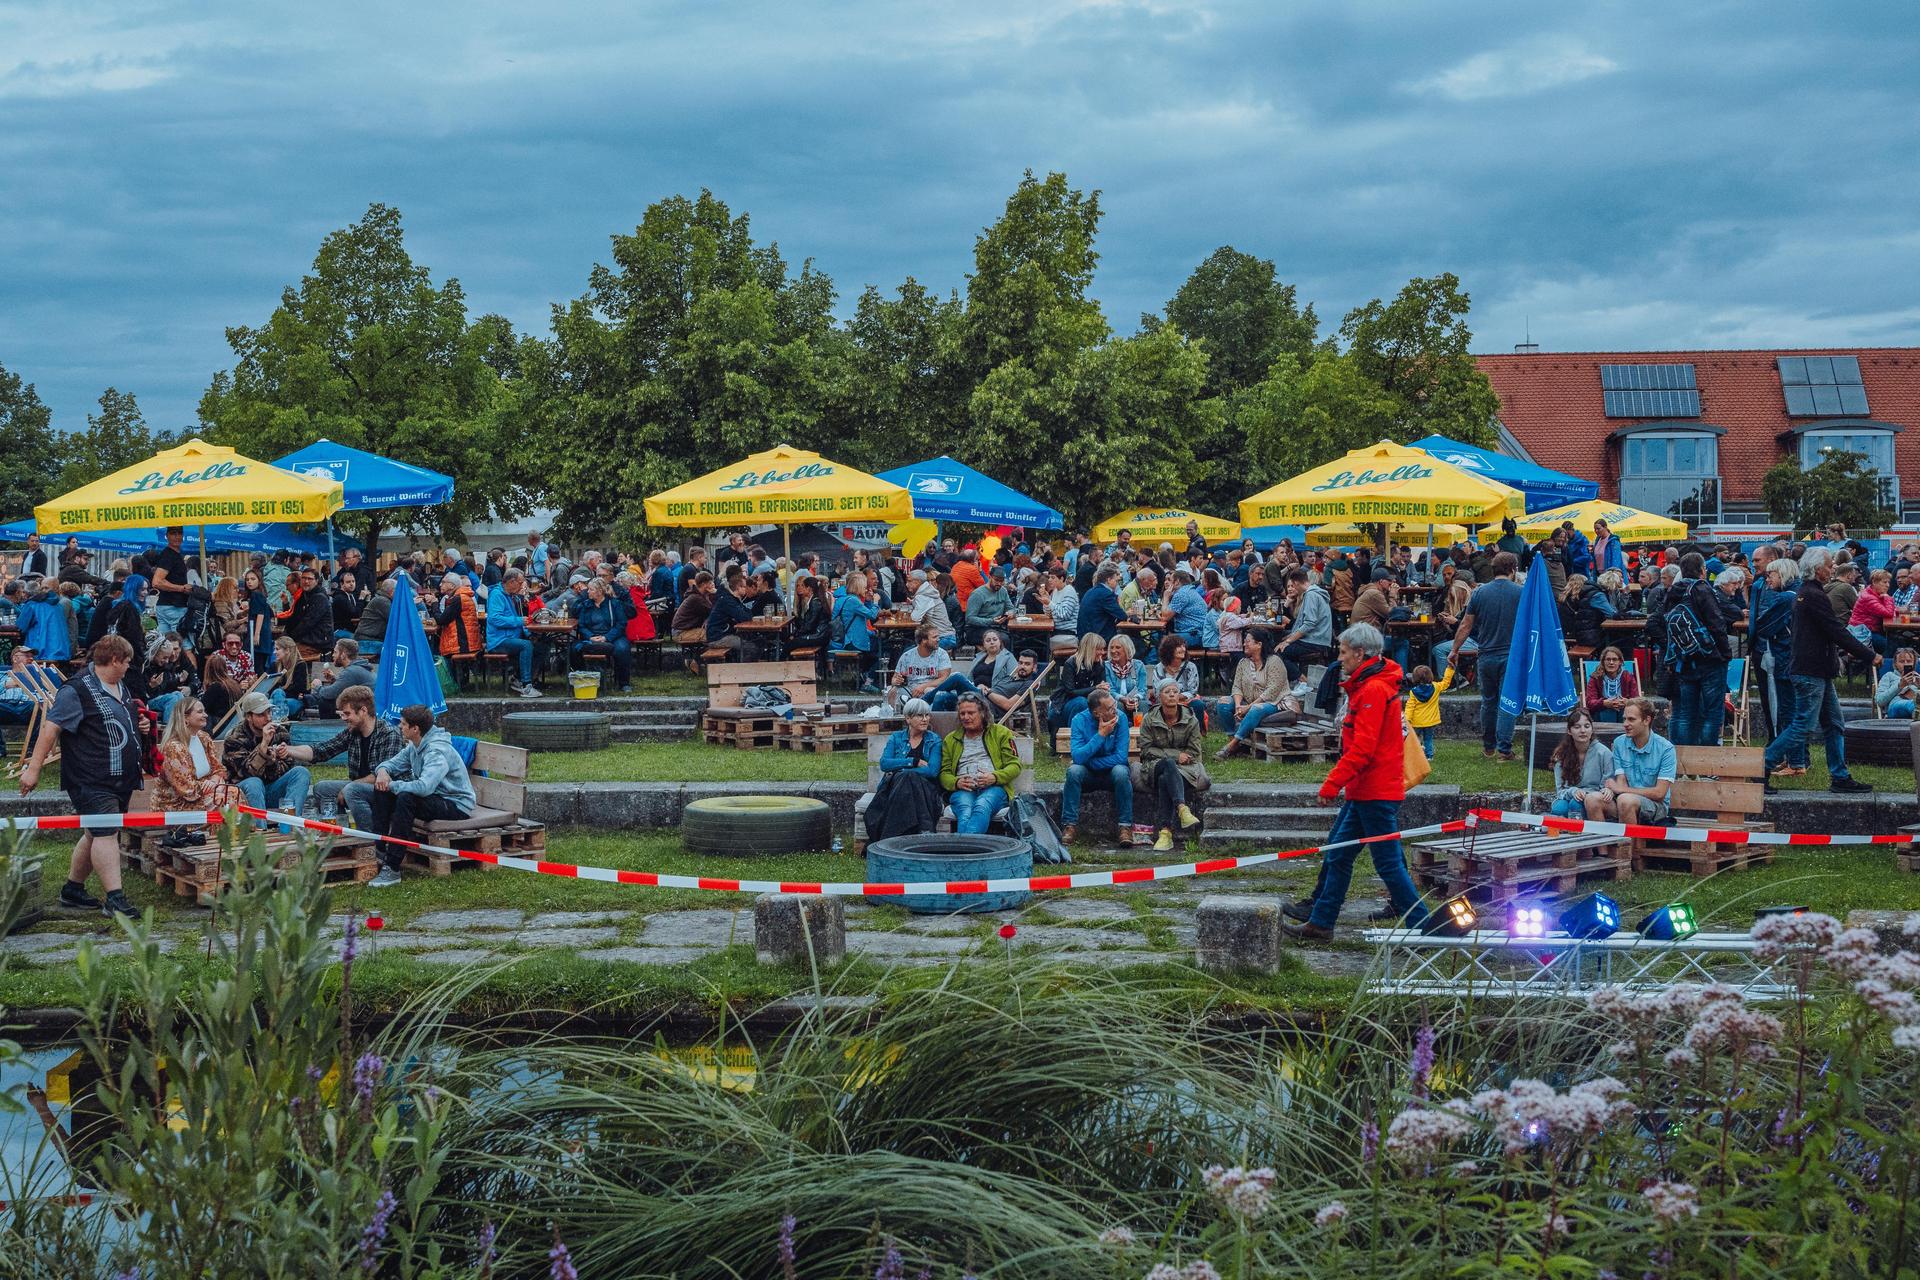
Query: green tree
(1838,491)
(1235,304)
(30,460)
(896,390)
(1303,414)
(1416,349)
(115,437)
(367,351)
(692,349)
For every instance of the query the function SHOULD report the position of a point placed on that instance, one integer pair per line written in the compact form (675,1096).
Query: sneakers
(117,905)
(76,896)
(1849,786)
(1506,757)
(386,878)
(1164,844)
(1233,748)
(1187,817)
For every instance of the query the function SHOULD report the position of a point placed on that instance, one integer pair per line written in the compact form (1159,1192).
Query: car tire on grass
(1879,742)
(757,825)
(557,730)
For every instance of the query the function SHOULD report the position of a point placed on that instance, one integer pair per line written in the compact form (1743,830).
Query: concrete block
(1890,927)
(799,928)
(1238,934)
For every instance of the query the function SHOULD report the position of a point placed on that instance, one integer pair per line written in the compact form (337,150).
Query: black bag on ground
(1029,819)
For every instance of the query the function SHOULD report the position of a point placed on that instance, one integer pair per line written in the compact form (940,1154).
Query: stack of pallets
(1311,737)
(1495,868)
(827,734)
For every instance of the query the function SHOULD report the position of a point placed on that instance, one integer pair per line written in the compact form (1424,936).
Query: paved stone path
(1148,925)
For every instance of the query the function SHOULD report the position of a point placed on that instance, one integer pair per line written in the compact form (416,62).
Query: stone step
(1229,815)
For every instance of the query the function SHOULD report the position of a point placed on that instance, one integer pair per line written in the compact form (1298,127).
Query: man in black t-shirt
(170,586)
(99,768)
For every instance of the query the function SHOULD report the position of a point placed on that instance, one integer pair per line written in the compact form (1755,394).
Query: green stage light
(1669,923)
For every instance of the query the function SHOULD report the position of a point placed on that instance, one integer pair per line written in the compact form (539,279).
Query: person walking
(99,768)
(1694,650)
(1817,634)
(1371,772)
(1488,622)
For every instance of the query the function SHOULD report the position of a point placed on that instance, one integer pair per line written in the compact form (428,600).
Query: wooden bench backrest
(726,681)
(499,776)
(265,684)
(1728,782)
(945,722)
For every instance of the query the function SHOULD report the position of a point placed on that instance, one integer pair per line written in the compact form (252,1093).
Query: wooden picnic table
(771,632)
(895,631)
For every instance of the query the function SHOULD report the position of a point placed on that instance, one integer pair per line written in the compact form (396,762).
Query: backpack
(765,697)
(842,622)
(1682,635)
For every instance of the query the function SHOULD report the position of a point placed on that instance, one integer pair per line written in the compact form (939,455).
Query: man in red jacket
(1372,772)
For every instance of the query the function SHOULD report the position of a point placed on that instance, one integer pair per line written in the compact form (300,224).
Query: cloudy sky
(1612,175)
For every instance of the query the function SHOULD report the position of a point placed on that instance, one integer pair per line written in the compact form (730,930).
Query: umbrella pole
(1533,737)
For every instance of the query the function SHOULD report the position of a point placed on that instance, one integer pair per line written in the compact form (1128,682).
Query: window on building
(1822,386)
(1873,444)
(1649,391)
(1672,473)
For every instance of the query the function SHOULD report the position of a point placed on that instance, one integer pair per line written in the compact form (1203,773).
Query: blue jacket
(1092,751)
(1189,614)
(502,622)
(855,615)
(1612,558)
(1579,553)
(43,626)
(898,755)
(1100,613)
(602,619)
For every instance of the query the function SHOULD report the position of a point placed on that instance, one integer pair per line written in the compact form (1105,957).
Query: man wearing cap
(99,767)
(170,585)
(260,762)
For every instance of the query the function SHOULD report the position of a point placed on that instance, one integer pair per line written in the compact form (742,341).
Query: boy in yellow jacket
(1423,703)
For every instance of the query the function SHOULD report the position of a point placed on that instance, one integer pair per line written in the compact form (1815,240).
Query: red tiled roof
(1551,402)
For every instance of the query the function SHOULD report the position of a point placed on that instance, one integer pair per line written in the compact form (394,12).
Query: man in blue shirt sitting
(1099,739)
(507,630)
(1187,609)
(1644,768)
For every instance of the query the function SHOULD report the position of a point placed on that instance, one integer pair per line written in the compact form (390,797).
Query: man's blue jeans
(1118,779)
(520,650)
(945,696)
(1365,818)
(1816,704)
(285,794)
(354,798)
(1496,726)
(1699,705)
(973,810)
(1249,719)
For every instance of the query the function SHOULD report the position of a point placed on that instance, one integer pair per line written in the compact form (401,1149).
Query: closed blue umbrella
(406,674)
(1537,676)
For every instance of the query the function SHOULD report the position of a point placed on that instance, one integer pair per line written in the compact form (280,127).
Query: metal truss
(1499,966)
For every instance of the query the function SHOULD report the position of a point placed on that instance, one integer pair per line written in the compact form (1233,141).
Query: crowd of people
(1289,630)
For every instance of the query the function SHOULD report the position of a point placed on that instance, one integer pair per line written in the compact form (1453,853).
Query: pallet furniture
(1311,737)
(826,734)
(1724,789)
(944,722)
(725,721)
(200,870)
(1497,867)
(499,777)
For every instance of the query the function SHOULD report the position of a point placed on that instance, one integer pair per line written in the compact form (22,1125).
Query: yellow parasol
(783,486)
(196,483)
(1163,524)
(1382,483)
(1629,524)
(1351,535)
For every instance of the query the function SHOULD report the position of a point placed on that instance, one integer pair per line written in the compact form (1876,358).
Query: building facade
(1692,433)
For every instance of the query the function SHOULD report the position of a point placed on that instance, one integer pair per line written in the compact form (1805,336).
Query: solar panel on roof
(1652,404)
(1646,377)
(1822,386)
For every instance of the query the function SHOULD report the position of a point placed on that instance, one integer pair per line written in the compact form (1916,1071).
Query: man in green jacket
(978,766)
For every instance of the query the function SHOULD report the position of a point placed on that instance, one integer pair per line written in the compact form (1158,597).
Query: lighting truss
(1497,965)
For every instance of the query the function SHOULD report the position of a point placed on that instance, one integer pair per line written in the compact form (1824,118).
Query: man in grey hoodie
(427,781)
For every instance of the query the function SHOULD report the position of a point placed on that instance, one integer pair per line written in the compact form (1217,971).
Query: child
(1232,624)
(1423,703)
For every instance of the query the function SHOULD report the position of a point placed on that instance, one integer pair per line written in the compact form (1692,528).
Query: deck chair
(1027,705)
(265,684)
(1739,720)
(42,682)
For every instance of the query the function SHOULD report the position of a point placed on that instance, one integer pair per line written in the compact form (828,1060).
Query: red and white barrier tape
(1688,835)
(110,821)
(848,888)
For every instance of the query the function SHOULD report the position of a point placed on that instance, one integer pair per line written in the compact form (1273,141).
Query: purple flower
(924,1273)
(366,1074)
(375,1232)
(1422,1066)
(315,1074)
(784,1250)
(131,1273)
(350,947)
(559,1265)
(1369,1142)
(483,1247)
(892,1266)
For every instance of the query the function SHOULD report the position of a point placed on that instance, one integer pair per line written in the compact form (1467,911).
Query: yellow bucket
(586,684)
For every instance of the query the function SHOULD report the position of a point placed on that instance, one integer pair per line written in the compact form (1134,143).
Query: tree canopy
(1837,491)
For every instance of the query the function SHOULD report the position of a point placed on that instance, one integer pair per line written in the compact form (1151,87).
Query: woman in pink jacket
(1872,610)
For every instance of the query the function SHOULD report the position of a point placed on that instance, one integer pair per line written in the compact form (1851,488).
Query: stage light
(1455,918)
(1764,912)
(1594,916)
(1669,923)
(1527,920)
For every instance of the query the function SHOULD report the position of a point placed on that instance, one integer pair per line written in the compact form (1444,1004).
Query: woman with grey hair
(908,801)
(1172,748)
